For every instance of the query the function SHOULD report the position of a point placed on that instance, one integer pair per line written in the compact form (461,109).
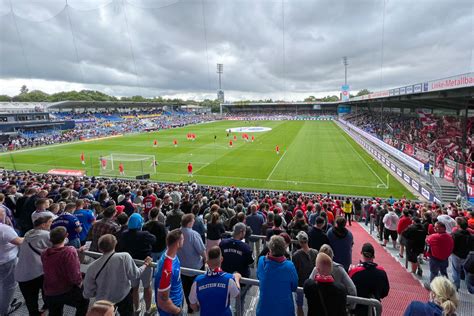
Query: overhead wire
(20,39)
(130,44)
(76,52)
(206,44)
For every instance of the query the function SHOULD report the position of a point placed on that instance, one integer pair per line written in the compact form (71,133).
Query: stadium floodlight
(220,93)
(345,63)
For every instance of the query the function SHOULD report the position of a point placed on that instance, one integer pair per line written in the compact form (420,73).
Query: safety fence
(375,307)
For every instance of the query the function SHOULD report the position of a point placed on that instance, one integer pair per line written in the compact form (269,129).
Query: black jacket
(334,297)
(371,281)
(137,243)
(415,236)
(463,243)
(317,238)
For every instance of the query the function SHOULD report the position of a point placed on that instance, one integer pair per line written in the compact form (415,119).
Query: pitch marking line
(274,168)
(361,158)
(274,180)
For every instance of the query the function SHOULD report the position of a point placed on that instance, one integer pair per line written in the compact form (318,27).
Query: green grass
(316,156)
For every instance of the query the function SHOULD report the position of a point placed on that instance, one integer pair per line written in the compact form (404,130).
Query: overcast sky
(269,49)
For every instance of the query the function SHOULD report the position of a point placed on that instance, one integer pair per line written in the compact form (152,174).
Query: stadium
(124,193)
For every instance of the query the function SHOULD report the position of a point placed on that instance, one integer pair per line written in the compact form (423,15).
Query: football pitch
(315,156)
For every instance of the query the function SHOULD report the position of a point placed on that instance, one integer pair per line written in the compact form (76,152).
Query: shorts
(412,255)
(146,278)
(402,240)
(389,233)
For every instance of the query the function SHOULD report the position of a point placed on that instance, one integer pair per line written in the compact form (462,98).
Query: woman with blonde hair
(443,300)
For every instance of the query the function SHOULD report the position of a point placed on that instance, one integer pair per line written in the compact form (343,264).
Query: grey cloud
(422,40)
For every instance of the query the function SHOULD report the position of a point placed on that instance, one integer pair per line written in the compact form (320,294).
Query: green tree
(363,92)
(5,98)
(23,89)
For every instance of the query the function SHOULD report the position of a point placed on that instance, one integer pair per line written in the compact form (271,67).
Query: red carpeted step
(404,288)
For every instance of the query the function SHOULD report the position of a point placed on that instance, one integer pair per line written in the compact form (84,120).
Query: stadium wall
(394,167)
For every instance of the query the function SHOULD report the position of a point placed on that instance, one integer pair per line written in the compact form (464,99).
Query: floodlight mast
(220,93)
(345,63)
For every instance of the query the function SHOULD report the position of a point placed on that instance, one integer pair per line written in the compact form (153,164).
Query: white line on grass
(274,168)
(272,180)
(361,158)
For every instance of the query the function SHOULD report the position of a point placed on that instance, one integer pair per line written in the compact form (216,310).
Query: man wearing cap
(139,245)
(237,255)
(370,279)
(211,292)
(303,259)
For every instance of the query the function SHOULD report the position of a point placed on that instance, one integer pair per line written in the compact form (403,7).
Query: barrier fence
(375,307)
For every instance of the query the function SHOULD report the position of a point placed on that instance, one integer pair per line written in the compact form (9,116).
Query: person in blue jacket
(341,241)
(443,300)
(278,280)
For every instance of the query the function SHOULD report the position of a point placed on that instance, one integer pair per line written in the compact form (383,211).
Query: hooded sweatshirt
(29,264)
(62,270)
(341,241)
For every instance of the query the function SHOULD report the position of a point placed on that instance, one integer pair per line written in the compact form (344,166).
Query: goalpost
(133,165)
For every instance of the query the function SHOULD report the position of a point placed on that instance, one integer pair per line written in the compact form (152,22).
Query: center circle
(247,129)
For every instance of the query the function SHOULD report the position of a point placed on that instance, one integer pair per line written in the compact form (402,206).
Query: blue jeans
(299,299)
(470,282)
(7,285)
(438,266)
(457,264)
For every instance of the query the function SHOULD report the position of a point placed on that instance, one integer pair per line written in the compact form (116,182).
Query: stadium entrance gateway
(247,129)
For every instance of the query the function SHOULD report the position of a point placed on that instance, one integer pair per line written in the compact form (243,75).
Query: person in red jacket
(62,275)
(441,246)
(403,224)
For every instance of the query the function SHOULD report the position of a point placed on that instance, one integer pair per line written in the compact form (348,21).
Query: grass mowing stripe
(344,135)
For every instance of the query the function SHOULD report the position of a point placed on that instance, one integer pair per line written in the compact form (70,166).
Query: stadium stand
(91,207)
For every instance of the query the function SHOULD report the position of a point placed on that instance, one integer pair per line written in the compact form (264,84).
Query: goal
(133,165)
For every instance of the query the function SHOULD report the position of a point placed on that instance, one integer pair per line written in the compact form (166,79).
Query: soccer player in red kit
(235,137)
(253,138)
(193,136)
(121,170)
(103,162)
(190,170)
(155,143)
(82,159)
(277,149)
(175,143)
(230,143)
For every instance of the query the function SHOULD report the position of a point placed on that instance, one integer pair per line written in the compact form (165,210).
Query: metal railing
(375,307)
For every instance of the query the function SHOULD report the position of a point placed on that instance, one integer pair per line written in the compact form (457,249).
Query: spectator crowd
(439,136)
(293,239)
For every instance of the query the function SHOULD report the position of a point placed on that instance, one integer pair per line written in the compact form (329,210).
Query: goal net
(133,165)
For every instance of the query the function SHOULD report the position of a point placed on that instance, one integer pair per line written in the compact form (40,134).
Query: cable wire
(382,46)
(130,44)
(74,44)
(205,41)
(23,52)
